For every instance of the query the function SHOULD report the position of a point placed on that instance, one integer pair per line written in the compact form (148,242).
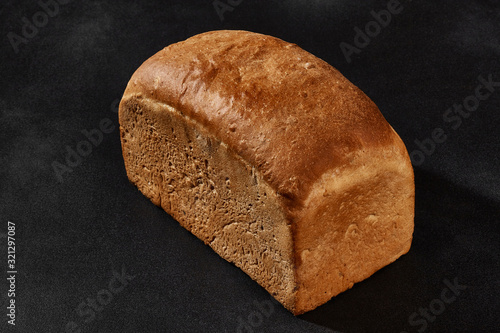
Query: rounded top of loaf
(286,112)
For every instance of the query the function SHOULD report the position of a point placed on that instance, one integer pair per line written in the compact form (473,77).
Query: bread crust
(285,111)
(309,133)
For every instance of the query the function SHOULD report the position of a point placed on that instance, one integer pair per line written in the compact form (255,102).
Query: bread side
(357,219)
(210,191)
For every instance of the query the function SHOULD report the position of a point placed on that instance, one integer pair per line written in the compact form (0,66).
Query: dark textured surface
(73,231)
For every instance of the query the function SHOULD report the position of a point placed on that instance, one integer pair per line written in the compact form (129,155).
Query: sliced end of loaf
(210,191)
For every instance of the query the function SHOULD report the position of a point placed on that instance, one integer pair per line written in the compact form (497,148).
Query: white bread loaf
(273,158)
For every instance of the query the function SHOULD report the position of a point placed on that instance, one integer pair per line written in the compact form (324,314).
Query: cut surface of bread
(271,157)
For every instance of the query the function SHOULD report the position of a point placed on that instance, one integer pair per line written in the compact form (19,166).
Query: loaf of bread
(272,158)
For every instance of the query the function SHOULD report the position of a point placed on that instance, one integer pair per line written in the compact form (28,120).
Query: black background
(73,232)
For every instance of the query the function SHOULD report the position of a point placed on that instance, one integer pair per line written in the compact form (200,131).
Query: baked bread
(273,158)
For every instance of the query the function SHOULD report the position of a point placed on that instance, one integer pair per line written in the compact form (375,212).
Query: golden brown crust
(282,109)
